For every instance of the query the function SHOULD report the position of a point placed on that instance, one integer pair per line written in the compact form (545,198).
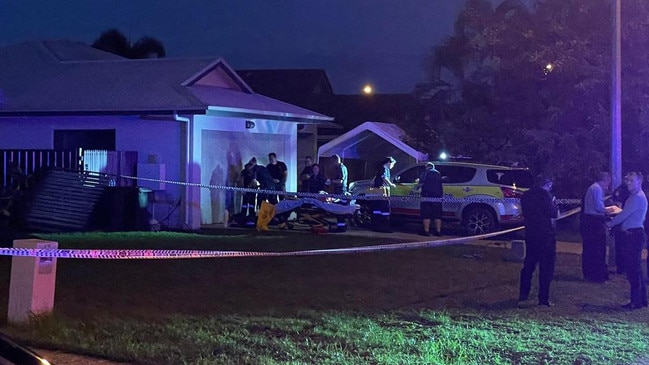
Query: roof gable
(62,77)
(218,74)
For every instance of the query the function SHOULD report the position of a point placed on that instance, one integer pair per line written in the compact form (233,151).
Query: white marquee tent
(364,146)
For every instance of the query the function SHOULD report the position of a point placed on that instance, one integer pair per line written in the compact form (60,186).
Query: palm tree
(115,42)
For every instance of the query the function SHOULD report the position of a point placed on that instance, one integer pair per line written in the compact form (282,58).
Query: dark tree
(148,47)
(114,41)
(533,87)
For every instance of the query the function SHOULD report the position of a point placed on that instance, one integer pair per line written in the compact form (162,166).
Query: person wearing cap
(339,177)
(593,231)
(381,207)
(540,213)
(430,183)
(631,219)
(339,185)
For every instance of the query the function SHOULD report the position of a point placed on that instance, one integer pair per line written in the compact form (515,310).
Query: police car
(482,185)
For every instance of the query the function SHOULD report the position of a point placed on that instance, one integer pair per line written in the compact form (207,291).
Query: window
(518,178)
(456,174)
(409,176)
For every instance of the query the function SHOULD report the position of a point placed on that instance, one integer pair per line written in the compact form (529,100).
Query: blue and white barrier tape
(444,199)
(202,254)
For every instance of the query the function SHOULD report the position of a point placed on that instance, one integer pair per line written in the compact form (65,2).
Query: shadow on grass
(568,277)
(597,308)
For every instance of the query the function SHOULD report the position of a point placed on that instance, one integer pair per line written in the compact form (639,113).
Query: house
(189,120)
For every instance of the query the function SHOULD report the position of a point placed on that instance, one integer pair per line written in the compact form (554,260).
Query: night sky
(383,42)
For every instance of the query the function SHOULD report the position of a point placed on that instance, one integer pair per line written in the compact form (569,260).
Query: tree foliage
(114,41)
(532,86)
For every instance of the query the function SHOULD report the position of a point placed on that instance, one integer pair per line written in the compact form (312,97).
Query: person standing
(306,174)
(249,177)
(339,184)
(593,231)
(279,172)
(339,177)
(317,182)
(631,219)
(381,207)
(266,182)
(540,213)
(619,197)
(430,182)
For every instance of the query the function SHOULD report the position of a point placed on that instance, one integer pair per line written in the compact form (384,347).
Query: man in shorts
(430,182)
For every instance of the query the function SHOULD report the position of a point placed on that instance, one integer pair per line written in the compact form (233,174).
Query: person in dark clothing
(381,207)
(339,178)
(593,231)
(249,178)
(317,182)
(279,173)
(619,197)
(430,182)
(540,213)
(306,174)
(266,182)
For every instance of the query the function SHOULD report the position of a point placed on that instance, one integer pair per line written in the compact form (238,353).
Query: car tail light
(511,192)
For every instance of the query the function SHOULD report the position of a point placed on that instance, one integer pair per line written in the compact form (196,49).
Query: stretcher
(320,216)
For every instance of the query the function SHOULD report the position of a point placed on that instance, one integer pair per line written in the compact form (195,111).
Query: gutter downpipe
(185,168)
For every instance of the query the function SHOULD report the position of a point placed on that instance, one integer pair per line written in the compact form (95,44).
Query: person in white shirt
(631,219)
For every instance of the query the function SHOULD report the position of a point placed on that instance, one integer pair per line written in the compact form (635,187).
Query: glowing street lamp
(367,89)
(443,156)
(548,68)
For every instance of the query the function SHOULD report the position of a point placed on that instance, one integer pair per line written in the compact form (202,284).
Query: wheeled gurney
(319,215)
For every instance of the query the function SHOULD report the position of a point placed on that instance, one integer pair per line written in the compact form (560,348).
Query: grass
(449,305)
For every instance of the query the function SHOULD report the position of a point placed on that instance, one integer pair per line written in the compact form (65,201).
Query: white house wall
(150,138)
(221,146)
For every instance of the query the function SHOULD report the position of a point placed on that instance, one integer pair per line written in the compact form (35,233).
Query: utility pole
(616,97)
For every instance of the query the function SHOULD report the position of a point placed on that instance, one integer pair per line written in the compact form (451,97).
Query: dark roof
(288,83)
(352,110)
(67,77)
(310,88)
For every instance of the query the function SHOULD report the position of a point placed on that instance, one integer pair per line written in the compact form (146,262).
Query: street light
(367,89)
(616,97)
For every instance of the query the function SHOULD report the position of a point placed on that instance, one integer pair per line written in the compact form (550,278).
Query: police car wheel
(479,220)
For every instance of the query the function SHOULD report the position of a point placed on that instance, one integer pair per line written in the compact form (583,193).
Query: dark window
(409,176)
(88,139)
(456,174)
(519,178)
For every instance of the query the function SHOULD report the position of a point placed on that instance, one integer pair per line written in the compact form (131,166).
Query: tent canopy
(371,142)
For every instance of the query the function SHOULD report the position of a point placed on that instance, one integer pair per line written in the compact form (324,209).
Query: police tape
(121,254)
(347,197)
